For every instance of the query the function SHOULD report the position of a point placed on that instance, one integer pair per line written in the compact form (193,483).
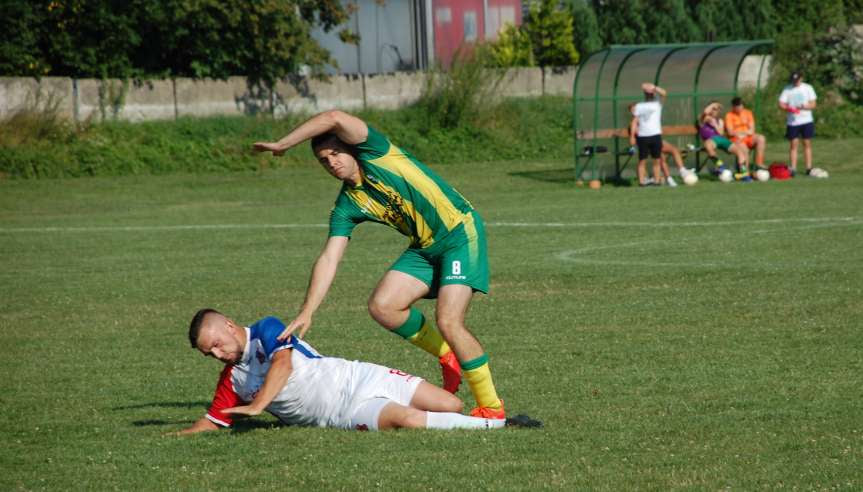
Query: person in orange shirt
(740,126)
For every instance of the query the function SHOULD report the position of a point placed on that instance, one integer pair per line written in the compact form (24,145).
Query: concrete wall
(84,99)
(748,74)
(17,93)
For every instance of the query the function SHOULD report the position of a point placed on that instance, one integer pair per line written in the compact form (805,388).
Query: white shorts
(378,386)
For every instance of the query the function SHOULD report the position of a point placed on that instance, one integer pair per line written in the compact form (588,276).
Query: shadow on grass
(165,404)
(567,176)
(240,425)
(149,422)
(246,425)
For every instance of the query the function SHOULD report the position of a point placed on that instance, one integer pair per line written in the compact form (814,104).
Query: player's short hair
(195,325)
(737,101)
(319,140)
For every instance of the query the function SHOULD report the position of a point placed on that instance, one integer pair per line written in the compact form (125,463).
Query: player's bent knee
(378,309)
(453,404)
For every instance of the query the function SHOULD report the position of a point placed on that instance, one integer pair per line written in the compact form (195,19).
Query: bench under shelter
(609,80)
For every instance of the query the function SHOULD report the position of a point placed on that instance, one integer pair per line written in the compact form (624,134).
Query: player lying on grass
(290,380)
(446,258)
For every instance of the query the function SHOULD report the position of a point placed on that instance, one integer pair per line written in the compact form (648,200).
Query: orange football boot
(489,413)
(451,371)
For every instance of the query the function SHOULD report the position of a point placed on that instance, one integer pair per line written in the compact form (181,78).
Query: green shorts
(460,258)
(721,142)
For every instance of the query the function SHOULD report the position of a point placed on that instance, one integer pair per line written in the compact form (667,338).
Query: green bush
(523,128)
(463,93)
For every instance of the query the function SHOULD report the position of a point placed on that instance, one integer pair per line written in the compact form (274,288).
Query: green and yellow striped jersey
(400,191)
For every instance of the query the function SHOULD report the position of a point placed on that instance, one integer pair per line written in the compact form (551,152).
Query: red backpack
(780,171)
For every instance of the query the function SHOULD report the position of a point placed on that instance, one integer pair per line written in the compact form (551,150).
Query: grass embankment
(38,146)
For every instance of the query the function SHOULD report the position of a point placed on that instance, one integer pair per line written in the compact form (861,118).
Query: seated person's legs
(760,148)
(710,148)
(668,148)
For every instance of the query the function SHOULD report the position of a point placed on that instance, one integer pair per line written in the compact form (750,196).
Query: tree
(667,21)
(758,18)
(813,17)
(550,30)
(621,22)
(21,28)
(585,28)
(854,11)
(264,40)
(511,49)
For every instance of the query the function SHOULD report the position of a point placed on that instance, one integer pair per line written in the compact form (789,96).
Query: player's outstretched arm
(276,378)
(201,425)
(662,93)
(323,273)
(347,127)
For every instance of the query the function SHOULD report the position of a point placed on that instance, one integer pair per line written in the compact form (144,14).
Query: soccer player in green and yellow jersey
(446,258)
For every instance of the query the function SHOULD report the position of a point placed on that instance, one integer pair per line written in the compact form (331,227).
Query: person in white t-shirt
(293,382)
(649,134)
(798,100)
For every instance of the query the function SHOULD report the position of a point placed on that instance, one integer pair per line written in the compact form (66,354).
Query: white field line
(826,221)
(578,255)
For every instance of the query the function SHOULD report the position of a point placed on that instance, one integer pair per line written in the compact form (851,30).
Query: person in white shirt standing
(649,135)
(798,100)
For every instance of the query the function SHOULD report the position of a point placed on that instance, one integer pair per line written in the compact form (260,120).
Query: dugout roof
(608,81)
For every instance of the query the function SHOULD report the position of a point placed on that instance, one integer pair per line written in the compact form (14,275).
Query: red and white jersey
(321,391)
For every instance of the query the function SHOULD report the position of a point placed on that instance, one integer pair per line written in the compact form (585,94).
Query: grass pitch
(696,338)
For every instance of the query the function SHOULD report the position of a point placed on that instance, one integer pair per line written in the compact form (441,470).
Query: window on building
(470,25)
(443,15)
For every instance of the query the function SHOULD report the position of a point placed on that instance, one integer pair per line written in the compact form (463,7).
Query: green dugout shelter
(608,81)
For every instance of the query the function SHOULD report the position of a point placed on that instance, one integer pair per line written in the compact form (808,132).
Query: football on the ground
(690,179)
(819,173)
(726,176)
(762,175)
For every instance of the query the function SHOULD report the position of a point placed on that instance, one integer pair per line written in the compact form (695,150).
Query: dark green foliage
(810,16)
(264,40)
(719,20)
(854,11)
(622,22)
(20,35)
(836,60)
(667,21)
(585,28)
(758,18)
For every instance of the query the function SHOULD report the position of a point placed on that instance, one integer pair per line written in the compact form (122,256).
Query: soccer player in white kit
(299,386)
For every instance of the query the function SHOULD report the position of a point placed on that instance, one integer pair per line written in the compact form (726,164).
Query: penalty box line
(540,225)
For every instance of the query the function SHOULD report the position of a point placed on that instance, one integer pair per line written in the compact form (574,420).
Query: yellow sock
(423,334)
(430,340)
(478,377)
